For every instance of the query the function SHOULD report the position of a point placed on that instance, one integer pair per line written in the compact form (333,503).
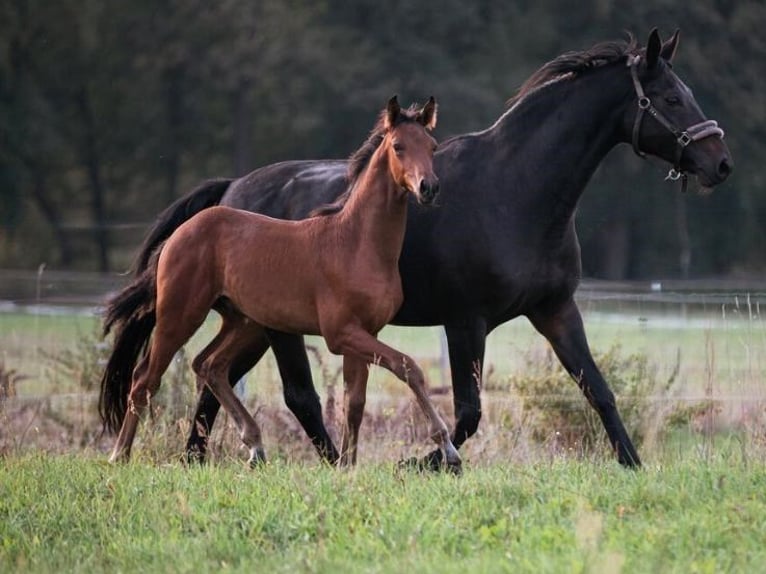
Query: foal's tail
(131,314)
(206,195)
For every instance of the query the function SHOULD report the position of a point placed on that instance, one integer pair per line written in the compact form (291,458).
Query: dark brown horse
(334,275)
(503,242)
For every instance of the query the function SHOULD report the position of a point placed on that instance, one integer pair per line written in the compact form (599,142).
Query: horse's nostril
(725,167)
(429,190)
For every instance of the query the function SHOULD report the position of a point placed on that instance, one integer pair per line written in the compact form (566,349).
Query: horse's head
(667,121)
(410,148)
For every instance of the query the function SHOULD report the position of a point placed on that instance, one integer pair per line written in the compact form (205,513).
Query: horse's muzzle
(428,192)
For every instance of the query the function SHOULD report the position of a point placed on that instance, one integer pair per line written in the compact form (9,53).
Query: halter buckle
(673,175)
(644,103)
(684,139)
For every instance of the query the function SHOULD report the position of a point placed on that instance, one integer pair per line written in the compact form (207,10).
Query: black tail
(131,314)
(206,195)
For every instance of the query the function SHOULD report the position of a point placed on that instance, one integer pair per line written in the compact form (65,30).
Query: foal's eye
(672,100)
(398,148)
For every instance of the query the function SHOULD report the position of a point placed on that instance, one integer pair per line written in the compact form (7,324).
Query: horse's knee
(413,375)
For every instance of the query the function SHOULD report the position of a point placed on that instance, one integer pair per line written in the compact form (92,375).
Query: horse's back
(290,189)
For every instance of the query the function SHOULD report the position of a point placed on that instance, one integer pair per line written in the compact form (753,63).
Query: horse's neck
(560,134)
(375,217)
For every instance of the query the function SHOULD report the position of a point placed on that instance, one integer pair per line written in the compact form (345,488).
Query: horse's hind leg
(237,332)
(207,405)
(176,323)
(146,381)
(359,343)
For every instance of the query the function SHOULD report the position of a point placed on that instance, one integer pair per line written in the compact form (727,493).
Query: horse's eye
(672,100)
(398,148)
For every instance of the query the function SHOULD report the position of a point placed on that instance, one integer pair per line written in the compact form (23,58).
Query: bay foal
(334,275)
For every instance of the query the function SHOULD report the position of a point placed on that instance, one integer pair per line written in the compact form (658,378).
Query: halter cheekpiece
(683,137)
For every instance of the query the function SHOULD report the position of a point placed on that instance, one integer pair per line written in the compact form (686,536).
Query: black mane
(574,64)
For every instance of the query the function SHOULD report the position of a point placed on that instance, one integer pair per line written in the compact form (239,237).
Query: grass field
(520,506)
(78,514)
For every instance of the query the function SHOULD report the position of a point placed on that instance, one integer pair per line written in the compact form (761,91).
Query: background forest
(109,110)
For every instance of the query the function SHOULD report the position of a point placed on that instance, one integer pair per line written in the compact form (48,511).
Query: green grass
(78,514)
(697,507)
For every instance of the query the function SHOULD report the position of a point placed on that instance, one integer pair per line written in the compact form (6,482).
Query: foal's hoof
(257,458)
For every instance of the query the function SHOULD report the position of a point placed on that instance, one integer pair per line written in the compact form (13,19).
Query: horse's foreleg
(564,329)
(361,344)
(355,372)
(299,392)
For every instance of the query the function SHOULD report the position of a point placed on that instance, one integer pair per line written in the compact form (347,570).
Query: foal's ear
(653,49)
(427,116)
(669,48)
(392,112)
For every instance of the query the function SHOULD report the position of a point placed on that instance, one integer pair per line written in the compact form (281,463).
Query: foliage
(8,381)
(156,96)
(81,363)
(558,413)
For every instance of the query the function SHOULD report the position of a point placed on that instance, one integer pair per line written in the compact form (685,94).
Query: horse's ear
(392,112)
(427,116)
(669,48)
(653,49)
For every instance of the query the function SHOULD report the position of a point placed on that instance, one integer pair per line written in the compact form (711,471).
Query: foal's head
(410,148)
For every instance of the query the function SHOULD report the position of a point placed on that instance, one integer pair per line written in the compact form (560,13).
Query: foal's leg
(236,331)
(355,373)
(253,346)
(167,338)
(564,329)
(355,341)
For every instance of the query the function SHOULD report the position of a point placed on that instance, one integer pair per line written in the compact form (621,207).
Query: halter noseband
(691,134)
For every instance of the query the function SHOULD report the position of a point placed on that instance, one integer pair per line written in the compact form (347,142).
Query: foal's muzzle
(428,192)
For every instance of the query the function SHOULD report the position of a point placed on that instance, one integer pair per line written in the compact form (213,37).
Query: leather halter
(683,137)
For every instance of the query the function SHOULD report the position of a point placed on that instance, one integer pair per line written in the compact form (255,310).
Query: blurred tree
(109,110)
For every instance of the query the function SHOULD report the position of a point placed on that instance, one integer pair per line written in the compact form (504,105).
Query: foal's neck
(375,216)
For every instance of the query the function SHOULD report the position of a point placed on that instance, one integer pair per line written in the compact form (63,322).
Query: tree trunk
(92,163)
(243,160)
(51,215)
(174,114)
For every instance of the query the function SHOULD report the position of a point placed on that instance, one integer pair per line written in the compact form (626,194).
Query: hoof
(455,469)
(257,458)
(193,457)
(432,462)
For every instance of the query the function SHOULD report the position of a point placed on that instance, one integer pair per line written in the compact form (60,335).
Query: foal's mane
(360,158)
(574,64)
